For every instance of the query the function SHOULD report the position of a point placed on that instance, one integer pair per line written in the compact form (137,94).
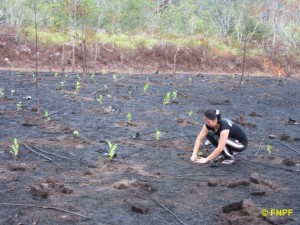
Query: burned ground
(60,178)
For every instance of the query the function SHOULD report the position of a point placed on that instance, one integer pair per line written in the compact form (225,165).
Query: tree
(172,20)
(222,16)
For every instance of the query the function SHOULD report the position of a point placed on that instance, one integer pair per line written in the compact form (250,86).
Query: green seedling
(55,74)
(146,86)
(157,134)
(92,76)
(33,77)
(167,98)
(78,77)
(269,149)
(1,92)
(19,106)
(190,79)
(62,84)
(129,117)
(115,77)
(112,148)
(174,95)
(15,148)
(100,99)
(218,78)
(47,115)
(190,113)
(77,87)
(76,133)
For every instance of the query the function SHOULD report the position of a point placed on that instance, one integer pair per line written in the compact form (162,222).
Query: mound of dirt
(48,187)
(247,213)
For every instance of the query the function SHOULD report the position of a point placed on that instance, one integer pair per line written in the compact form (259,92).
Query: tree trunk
(63,60)
(244,62)
(83,44)
(36,65)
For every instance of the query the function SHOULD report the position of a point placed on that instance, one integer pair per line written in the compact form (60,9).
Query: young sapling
(77,87)
(167,98)
(112,148)
(19,106)
(47,115)
(157,134)
(174,95)
(146,86)
(76,133)
(92,76)
(129,117)
(100,99)
(269,149)
(15,148)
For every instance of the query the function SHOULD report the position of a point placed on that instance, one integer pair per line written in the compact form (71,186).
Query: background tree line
(236,22)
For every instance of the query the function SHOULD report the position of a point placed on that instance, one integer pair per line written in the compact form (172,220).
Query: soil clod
(139,208)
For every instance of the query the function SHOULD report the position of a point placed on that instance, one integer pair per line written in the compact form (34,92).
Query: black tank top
(235,131)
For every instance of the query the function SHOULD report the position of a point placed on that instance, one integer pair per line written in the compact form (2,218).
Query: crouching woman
(227,138)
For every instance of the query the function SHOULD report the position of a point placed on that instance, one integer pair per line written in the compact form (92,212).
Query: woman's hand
(201,160)
(194,158)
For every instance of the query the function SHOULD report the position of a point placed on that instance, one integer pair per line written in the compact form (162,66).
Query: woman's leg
(214,139)
(231,146)
(235,146)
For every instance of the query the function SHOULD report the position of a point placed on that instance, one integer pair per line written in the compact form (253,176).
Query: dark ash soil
(149,182)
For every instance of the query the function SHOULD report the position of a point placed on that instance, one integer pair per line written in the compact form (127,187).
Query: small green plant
(77,87)
(33,76)
(55,74)
(92,76)
(112,148)
(62,84)
(167,98)
(76,133)
(1,92)
(115,77)
(78,77)
(130,70)
(47,115)
(174,95)
(146,86)
(157,134)
(19,106)
(129,117)
(15,148)
(100,99)
(218,78)
(269,149)
(190,113)
(190,79)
